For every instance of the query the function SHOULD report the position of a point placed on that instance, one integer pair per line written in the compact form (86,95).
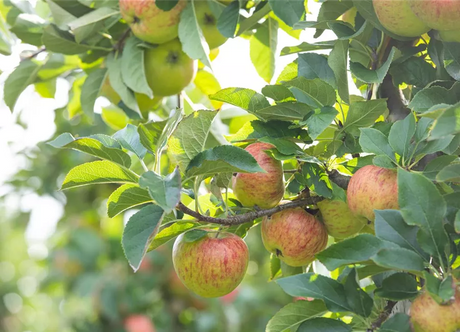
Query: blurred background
(62,267)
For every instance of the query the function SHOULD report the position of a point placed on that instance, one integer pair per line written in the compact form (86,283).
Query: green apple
(168,69)
(208,24)
(372,188)
(428,316)
(211,266)
(340,222)
(438,14)
(294,236)
(262,189)
(396,16)
(150,23)
(451,36)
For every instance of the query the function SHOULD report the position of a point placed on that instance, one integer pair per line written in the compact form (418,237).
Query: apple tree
(347,162)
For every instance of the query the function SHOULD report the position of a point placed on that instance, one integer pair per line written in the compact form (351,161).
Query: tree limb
(339,179)
(250,216)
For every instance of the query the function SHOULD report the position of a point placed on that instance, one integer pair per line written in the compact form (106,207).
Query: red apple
(139,323)
(438,14)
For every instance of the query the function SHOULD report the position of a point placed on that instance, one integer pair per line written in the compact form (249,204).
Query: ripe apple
(294,236)
(428,316)
(451,36)
(168,69)
(396,16)
(340,222)
(150,23)
(372,188)
(208,24)
(139,323)
(262,189)
(213,265)
(438,14)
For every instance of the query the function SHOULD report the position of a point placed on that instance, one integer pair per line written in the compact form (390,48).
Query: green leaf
(422,205)
(46,89)
(440,290)
(275,269)
(257,129)
(93,147)
(149,134)
(139,232)
(95,16)
(338,62)
(319,287)
(372,76)
(170,126)
(397,287)
(359,301)
(357,249)
(313,65)
(194,235)
(263,48)
(315,92)
(399,259)
(18,80)
(91,88)
(448,123)
(436,165)
(294,314)
(29,28)
(363,114)
(306,47)
(398,323)
(278,93)
(125,197)
(450,173)
(316,179)
(133,69)
(401,134)
(324,325)
(228,20)
(164,190)
(290,11)
(166,5)
(97,172)
(190,137)
(224,158)
(431,96)
(289,111)
(247,99)
(373,141)
(130,140)
(171,232)
(452,59)
(191,36)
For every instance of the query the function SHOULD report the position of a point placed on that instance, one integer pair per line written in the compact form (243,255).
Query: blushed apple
(438,14)
(139,323)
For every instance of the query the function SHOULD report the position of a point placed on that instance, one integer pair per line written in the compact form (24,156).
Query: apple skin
(139,323)
(372,188)
(262,189)
(294,236)
(450,36)
(438,14)
(428,316)
(396,16)
(340,222)
(168,69)
(150,23)
(208,24)
(211,266)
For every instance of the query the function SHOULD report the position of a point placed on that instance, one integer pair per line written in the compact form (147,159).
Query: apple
(438,14)
(340,222)
(294,236)
(372,188)
(396,16)
(212,266)
(262,189)
(427,315)
(150,23)
(138,323)
(450,36)
(168,69)
(208,24)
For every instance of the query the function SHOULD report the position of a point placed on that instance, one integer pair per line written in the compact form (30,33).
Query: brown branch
(339,179)
(33,55)
(250,216)
(120,43)
(383,316)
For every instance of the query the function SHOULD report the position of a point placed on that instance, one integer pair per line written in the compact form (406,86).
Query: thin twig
(33,55)
(119,45)
(383,315)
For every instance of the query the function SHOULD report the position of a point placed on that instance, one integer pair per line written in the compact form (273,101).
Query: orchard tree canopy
(347,163)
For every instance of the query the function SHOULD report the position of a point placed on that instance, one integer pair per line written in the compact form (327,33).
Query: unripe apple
(438,14)
(396,16)
(208,24)
(294,236)
(450,36)
(372,188)
(211,266)
(428,316)
(150,23)
(262,189)
(340,222)
(168,69)
(139,323)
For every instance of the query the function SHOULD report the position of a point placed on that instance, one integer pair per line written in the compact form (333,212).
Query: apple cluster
(412,18)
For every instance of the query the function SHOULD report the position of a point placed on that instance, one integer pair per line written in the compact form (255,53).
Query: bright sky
(232,68)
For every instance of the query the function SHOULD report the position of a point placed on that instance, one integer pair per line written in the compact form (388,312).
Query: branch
(33,55)
(383,315)
(339,179)
(119,45)
(250,216)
